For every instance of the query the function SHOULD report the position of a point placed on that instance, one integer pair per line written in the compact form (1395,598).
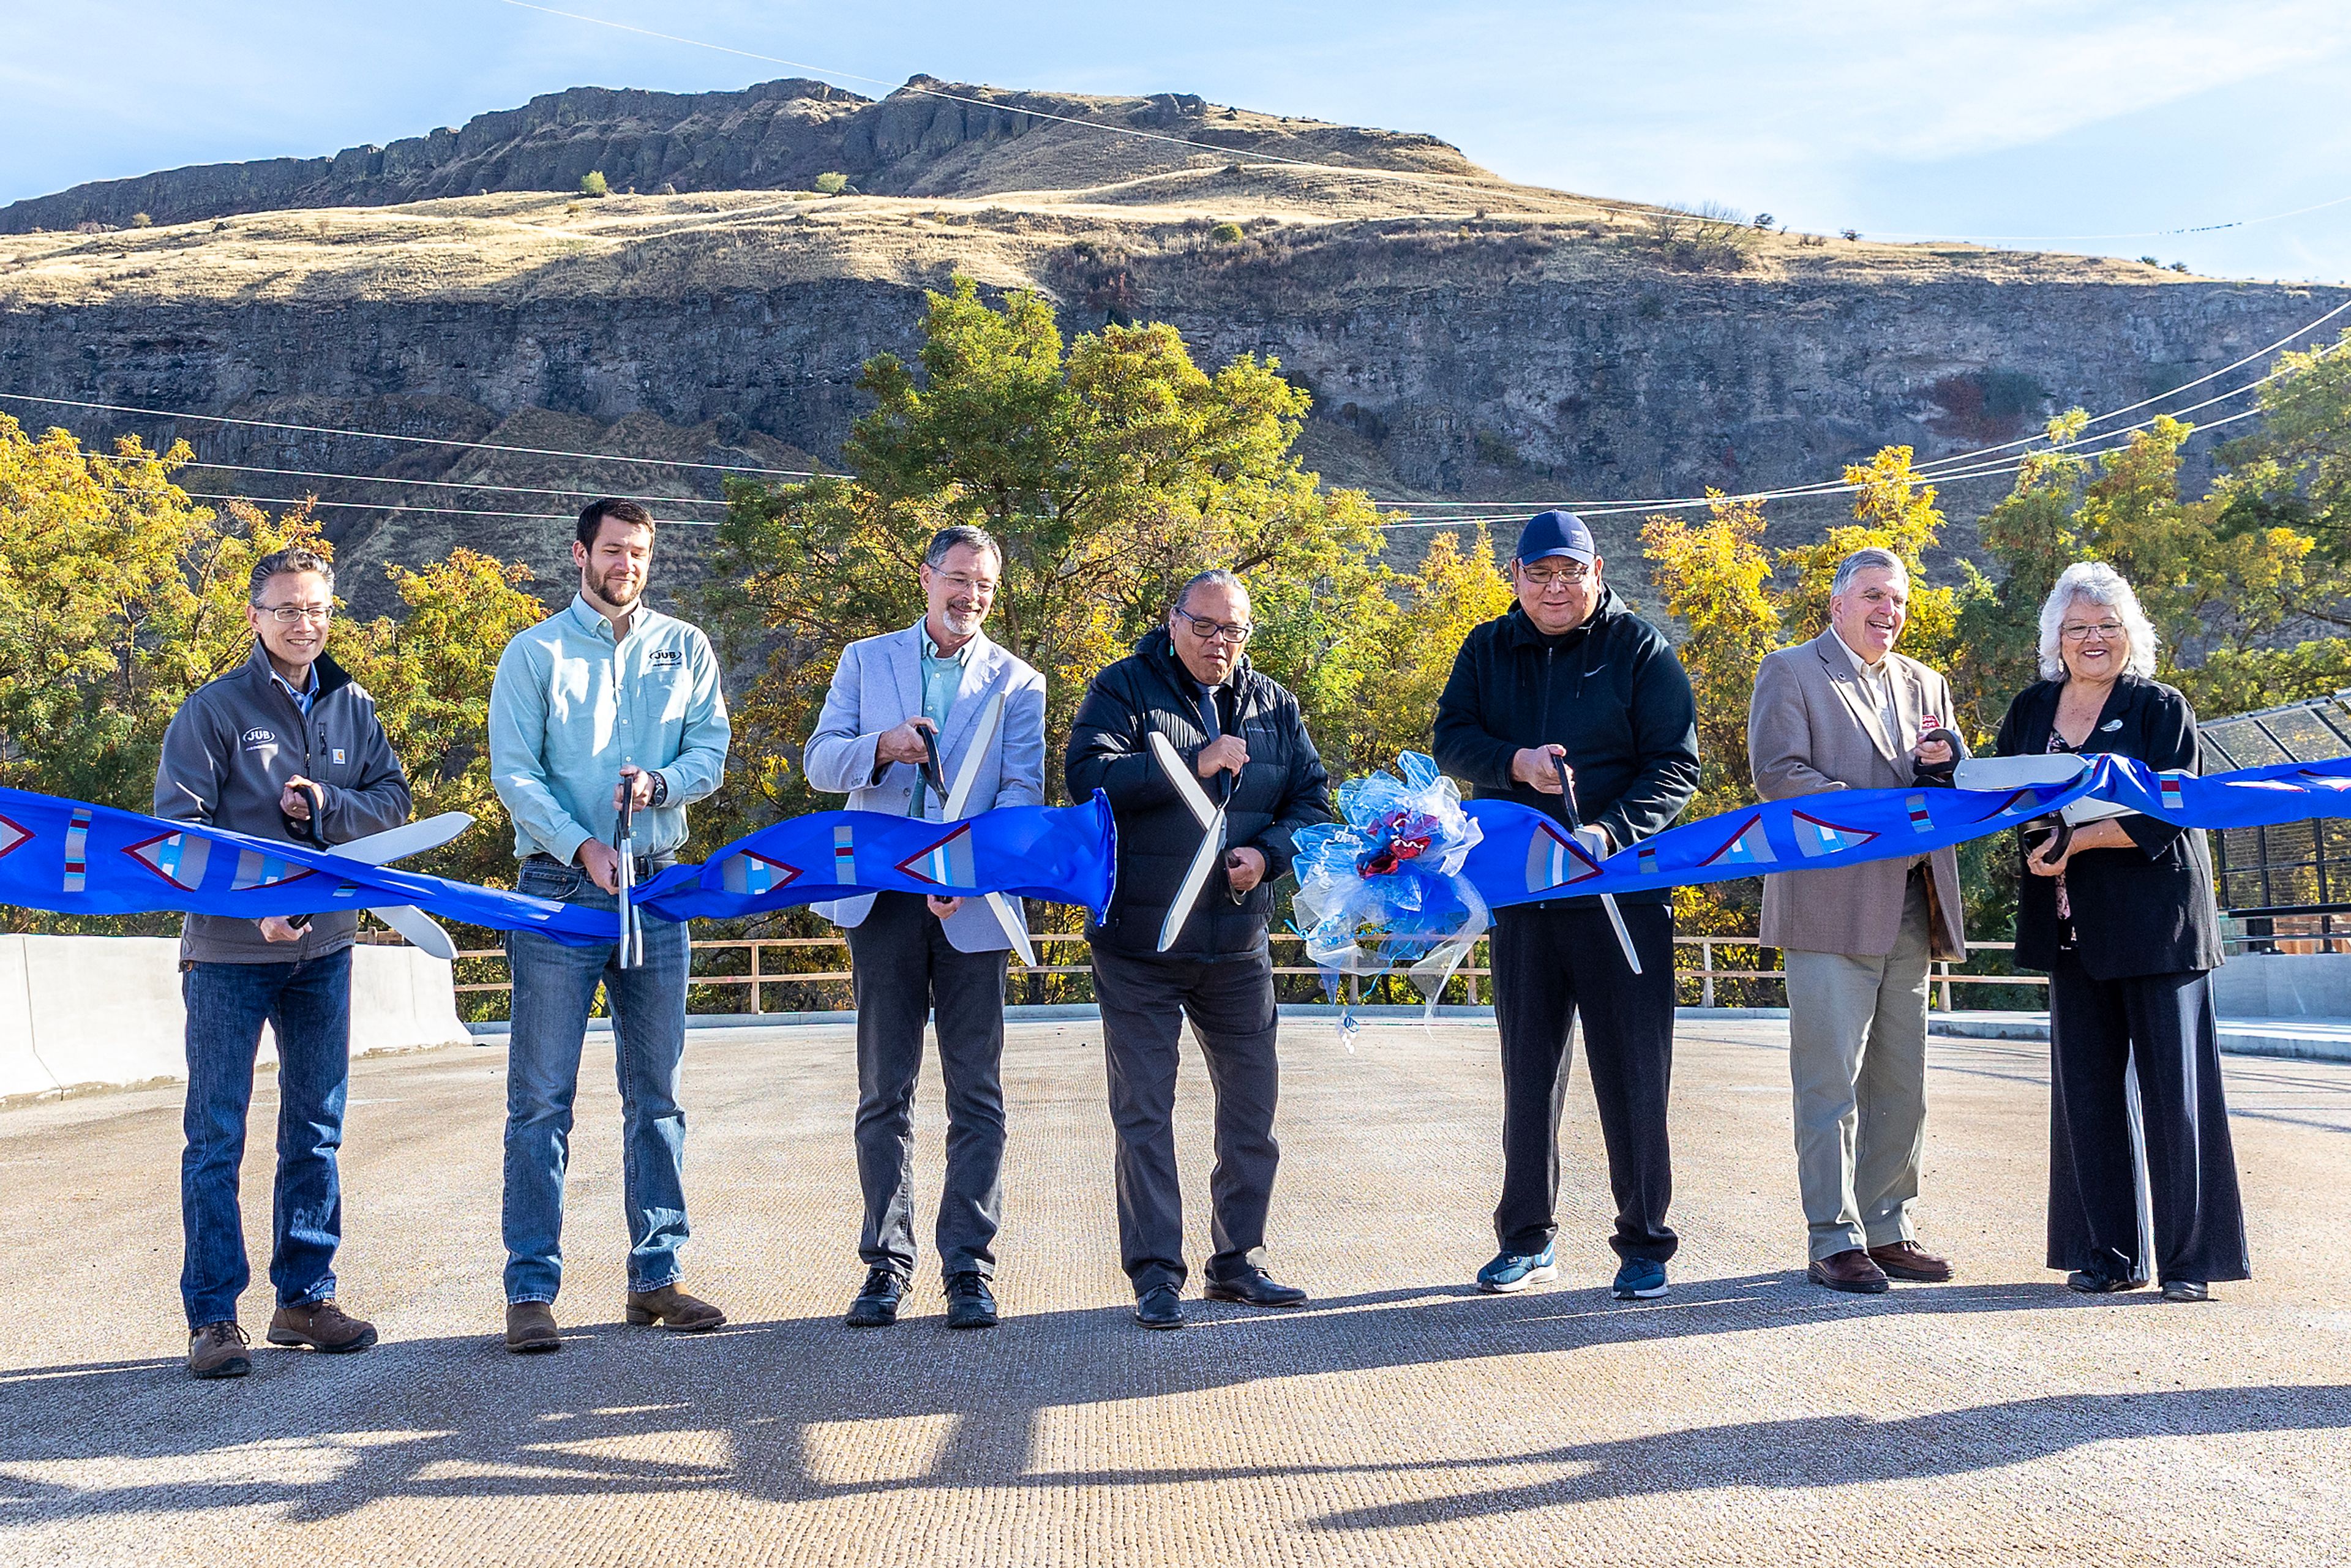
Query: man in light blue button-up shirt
(604,696)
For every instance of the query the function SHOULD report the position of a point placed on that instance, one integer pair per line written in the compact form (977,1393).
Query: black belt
(647,866)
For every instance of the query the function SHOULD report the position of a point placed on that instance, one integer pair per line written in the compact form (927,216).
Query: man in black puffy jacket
(1240,734)
(1571,679)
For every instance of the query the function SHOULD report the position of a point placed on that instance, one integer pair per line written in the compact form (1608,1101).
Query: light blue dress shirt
(570,707)
(942,677)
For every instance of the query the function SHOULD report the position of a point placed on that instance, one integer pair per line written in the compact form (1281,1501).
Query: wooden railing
(1475,976)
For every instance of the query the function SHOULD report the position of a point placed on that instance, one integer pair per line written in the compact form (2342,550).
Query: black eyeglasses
(1209,631)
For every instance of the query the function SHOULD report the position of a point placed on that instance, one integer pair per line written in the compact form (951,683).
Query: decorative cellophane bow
(1381,889)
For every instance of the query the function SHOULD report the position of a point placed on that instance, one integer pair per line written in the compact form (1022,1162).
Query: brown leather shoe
(321,1325)
(530,1328)
(1850,1270)
(1908,1260)
(217,1350)
(672,1308)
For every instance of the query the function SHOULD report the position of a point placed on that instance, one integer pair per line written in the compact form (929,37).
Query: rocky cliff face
(1465,339)
(930,137)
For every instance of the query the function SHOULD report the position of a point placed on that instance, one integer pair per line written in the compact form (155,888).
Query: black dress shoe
(2092,1282)
(1257,1287)
(876,1306)
(2187,1291)
(969,1305)
(1159,1308)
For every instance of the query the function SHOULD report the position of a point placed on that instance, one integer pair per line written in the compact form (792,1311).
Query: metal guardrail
(756,978)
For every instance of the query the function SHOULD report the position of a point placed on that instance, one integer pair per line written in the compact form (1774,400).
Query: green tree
(594,185)
(1111,468)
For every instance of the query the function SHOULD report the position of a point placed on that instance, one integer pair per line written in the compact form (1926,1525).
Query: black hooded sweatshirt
(1610,691)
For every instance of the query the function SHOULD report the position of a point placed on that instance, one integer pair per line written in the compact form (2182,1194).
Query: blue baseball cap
(1556,533)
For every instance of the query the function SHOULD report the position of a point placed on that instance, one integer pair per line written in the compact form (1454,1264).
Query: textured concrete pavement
(1747,1418)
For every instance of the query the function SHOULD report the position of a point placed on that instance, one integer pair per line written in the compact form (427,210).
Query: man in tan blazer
(1845,712)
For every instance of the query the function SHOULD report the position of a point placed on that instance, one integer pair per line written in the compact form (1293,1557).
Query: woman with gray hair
(2122,918)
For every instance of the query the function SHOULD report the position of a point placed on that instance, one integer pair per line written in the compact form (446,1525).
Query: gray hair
(293,558)
(1869,557)
(964,535)
(1217,576)
(2100,584)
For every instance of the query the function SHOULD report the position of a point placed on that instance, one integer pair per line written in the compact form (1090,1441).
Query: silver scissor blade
(408,839)
(1624,937)
(966,776)
(1186,782)
(1014,927)
(1195,880)
(421,930)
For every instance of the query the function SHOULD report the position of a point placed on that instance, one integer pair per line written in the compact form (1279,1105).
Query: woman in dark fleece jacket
(1571,679)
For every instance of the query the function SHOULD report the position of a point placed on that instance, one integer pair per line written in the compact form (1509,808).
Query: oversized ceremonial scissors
(398,844)
(956,798)
(1211,818)
(1608,899)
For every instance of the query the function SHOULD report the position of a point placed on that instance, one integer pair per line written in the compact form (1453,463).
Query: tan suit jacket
(1813,725)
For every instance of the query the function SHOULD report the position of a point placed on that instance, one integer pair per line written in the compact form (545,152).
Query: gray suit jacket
(877,686)
(1813,725)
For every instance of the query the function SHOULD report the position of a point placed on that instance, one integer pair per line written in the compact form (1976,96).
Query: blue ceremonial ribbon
(1063,854)
(1524,856)
(74,858)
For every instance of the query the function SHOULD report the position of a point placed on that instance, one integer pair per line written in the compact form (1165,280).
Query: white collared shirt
(1878,681)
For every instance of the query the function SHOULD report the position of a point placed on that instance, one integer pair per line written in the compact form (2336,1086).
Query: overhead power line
(414,440)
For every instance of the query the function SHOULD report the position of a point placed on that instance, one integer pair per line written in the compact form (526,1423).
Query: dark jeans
(1549,964)
(1145,1001)
(308,1005)
(553,989)
(2162,1027)
(902,966)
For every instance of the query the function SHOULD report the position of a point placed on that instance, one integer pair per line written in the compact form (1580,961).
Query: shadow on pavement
(770,1410)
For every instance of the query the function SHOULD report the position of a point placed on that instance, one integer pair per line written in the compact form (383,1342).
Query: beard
(615,589)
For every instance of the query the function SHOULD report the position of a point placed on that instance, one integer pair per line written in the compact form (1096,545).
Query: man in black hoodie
(1575,706)
(1241,735)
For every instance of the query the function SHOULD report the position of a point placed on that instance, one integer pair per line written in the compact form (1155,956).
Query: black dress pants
(1550,961)
(2164,1026)
(902,966)
(1144,1000)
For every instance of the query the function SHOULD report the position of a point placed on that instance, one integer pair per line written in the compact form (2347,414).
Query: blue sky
(1998,119)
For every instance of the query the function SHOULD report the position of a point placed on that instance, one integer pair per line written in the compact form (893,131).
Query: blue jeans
(553,989)
(308,1004)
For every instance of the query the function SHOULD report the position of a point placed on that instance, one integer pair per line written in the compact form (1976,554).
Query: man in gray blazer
(1845,712)
(908,955)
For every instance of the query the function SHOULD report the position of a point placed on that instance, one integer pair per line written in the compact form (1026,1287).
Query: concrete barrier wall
(93,1011)
(2283,986)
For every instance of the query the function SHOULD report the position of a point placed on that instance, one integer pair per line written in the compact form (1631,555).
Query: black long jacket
(1610,691)
(1283,789)
(2145,910)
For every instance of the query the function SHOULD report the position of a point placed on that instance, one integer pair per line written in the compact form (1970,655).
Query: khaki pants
(1857,1053)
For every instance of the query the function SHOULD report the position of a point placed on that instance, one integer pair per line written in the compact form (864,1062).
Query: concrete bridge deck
(1747,1418)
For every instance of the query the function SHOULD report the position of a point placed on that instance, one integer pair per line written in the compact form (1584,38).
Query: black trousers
(2163,1026)
(1145,1001)
(902,966)
(1549,965)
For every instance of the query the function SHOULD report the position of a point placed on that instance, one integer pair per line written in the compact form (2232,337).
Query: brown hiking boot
(321,1325)
(217,1350)
(530,1328)
(672,1308)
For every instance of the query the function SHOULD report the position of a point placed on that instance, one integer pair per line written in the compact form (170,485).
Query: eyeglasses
(287,614)
(968,584)
(1571,575)
(2104,630)
(1209,631)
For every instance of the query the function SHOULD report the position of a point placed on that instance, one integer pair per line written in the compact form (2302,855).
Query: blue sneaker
(1516,1270)
(1640,1279)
